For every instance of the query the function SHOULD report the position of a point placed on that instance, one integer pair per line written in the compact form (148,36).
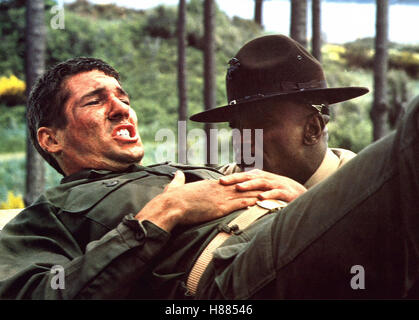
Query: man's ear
(313,129)
(47,139)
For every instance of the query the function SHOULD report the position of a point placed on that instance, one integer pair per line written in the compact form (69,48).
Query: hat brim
(315,96)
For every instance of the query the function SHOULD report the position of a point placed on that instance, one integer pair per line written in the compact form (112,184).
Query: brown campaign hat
(274,67)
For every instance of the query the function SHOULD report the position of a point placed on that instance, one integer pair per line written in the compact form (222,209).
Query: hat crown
(272,65)
(274,68)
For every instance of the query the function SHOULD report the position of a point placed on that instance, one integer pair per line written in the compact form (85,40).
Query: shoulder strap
(225,231)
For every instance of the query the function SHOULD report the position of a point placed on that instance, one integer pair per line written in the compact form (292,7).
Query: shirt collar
(95,173)
(329,165)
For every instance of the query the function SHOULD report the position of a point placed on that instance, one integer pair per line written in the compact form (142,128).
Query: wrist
(161,212)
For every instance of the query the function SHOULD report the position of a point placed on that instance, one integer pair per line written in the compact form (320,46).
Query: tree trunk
(298,30)
(209,70)
(316,39)
(258,12)
(182,87)
(379,109)
(34,67)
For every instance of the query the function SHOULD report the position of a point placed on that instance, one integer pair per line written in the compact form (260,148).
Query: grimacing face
(101,130)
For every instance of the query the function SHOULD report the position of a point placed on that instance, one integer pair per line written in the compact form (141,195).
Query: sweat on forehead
(73,85)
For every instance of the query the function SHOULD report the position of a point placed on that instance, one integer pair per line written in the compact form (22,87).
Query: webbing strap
(241,222)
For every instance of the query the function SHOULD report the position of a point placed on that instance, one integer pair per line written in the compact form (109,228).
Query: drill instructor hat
(275,67)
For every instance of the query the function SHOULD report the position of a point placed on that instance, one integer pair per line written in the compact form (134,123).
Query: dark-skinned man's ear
(313,129)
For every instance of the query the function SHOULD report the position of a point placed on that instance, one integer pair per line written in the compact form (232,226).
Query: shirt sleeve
(229,168)
(39,258)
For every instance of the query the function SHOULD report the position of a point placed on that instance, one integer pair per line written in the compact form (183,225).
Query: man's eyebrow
(100,91)
(122,91)
(93,93)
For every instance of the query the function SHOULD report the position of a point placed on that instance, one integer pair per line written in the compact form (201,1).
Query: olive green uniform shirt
(86,226)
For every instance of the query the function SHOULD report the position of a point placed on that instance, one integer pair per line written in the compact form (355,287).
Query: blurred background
(173,55)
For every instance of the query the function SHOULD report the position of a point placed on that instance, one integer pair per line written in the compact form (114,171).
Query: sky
(341,22)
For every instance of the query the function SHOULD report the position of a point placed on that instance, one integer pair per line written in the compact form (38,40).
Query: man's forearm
(107,269)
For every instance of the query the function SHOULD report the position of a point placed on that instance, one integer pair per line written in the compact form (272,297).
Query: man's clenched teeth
(123,133)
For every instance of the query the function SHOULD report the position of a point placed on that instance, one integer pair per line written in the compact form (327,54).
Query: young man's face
(101,130)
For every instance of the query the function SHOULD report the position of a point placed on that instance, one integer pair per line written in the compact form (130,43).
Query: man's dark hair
(49,95)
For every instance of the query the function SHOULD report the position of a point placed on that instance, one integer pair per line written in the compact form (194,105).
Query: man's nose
(118,110)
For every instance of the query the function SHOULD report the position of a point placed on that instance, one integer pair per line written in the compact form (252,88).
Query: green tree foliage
(12,32)
(128,41)
(12,129)
(12,175)
(360,54)
(141,45)
(12,25)
(349,126)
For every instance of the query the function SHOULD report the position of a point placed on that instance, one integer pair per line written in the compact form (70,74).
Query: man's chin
(127,159)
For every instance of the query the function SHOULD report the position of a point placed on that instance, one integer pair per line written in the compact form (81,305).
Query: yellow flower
(11,86)
(333,51)
(12,202)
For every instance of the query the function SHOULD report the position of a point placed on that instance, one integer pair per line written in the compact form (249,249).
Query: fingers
(178,180)
(238,200)
(237,204)
(240,177)
(256,184)
(275,186)
(278,194)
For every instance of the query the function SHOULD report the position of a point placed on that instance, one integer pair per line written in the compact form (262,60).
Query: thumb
(178,180)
